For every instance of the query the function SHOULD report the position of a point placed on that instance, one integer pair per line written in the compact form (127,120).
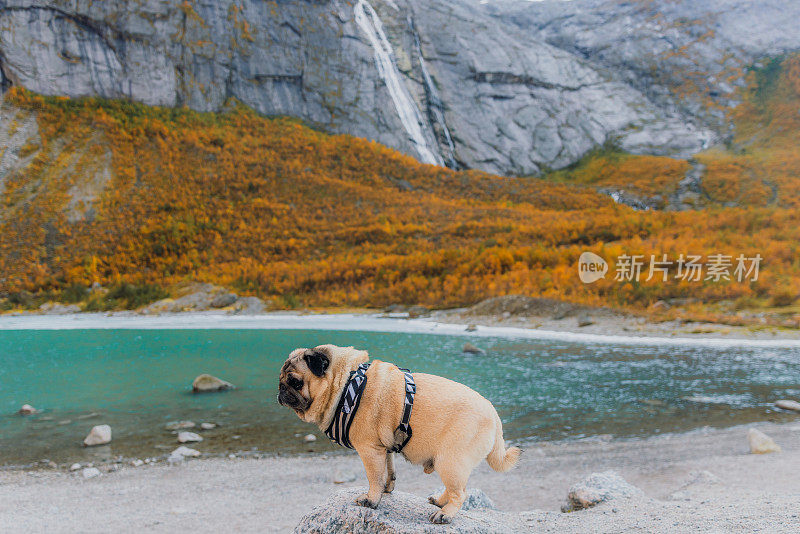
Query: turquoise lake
(138,380)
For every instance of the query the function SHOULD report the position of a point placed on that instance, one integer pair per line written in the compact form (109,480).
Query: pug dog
(453,428)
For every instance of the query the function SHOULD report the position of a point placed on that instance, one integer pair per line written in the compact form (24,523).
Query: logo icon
(591,267)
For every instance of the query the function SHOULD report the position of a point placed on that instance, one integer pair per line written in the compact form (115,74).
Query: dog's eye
(294,383)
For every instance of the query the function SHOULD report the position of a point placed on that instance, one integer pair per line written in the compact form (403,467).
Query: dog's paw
(363,500)
(440,518)
(389,487)
(433,501)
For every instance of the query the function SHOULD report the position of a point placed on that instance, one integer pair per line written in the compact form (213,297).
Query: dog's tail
(502,459)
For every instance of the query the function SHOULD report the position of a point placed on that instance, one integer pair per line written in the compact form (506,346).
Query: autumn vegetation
(140,199)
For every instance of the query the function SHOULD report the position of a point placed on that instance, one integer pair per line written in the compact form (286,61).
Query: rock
(99,435)
(598,488)
(208,426)
(251,306)
(760,443)
(584,320)
(137,463)
(472,328)
(54,308)
(207,383)
(224,300)
(75,467)
(27,409)
(476,499)
(309,438)
(184,451)
(417,311)
(660,305)
(469,348)
(90,472)
(189,437)
(399,513)
(788,405)
(179,425)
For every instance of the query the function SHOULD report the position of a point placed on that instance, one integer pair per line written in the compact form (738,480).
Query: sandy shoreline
(605,329)
(743,492)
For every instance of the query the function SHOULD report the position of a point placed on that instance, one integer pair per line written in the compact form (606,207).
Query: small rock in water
(185,451)
(179,425)
(584,320)
(788,405)
(760,443)
(188,437)
(308,438)
(74,467)
(472,328)
(469,348)
(99,435)
(91,472)
(91,415)
(137,463)
(64,422)
(598,488)
(207,383)
(208,426)
(27,409)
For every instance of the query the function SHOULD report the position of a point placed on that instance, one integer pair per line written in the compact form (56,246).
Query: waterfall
(434,101)
(367,19)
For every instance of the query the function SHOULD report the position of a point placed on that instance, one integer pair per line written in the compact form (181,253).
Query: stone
(584,320)
(75,467)
(415,312)
(137,463)
(250,306)
(760,443)
(598,488)
(186,452)
(27,409)
(399,513)
(90,472)
(660,305)
(472,328)
(208,383)
(469,348)
(189,437)
(179,425)
(99,435)
(476,499)
(788,405)
(224,300)
(208,426)
(309,438)
(54,308)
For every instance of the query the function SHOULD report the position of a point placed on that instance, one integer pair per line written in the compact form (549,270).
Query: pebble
(179,425)
(90,472)
(188,437)
(74,467)
(137,463)
(308,438)
(760,443)
(788,405)
(469,348)
(27,409)
(208,426)
(99,435)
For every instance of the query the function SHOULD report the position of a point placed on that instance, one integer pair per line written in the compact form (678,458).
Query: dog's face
(303,377)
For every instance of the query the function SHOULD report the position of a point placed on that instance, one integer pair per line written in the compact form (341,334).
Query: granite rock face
(508,87)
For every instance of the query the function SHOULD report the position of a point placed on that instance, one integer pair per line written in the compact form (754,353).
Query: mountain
(514,88)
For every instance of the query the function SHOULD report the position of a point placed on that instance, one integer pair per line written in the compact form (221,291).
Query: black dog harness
(339,429)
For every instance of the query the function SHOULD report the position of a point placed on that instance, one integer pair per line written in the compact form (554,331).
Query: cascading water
(367,19)
(435,105)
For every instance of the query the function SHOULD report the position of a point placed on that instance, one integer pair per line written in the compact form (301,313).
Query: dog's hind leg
(454,476)
(441,500)
(390,474)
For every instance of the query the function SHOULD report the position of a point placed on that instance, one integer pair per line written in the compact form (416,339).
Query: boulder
(584,320)
(469,348)
(250,306)
(472,328)
(54,308)
(90,472)
(598,488)
(476,499)
(760,443)
(788,405)
(27,409)
(207,383)
(418,311)
(399,513)
(99,435)
(188,437)
(224,300)
(179,425)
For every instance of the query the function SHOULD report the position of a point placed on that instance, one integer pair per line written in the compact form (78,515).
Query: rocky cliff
(508,87)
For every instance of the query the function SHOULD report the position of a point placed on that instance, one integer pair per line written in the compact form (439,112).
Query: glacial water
(137,380)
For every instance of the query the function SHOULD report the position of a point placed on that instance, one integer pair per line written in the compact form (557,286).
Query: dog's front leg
(374,460)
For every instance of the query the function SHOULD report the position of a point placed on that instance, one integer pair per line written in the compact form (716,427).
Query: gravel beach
(704,481)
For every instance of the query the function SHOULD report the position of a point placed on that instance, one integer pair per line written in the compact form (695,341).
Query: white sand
(754,492)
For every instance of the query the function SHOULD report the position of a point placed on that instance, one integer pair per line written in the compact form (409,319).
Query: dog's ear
(317,361)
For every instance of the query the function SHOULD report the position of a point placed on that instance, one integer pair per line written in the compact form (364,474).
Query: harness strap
(403,432)
(339,429)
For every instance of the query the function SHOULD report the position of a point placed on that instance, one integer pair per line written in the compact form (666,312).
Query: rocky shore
(707,480)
